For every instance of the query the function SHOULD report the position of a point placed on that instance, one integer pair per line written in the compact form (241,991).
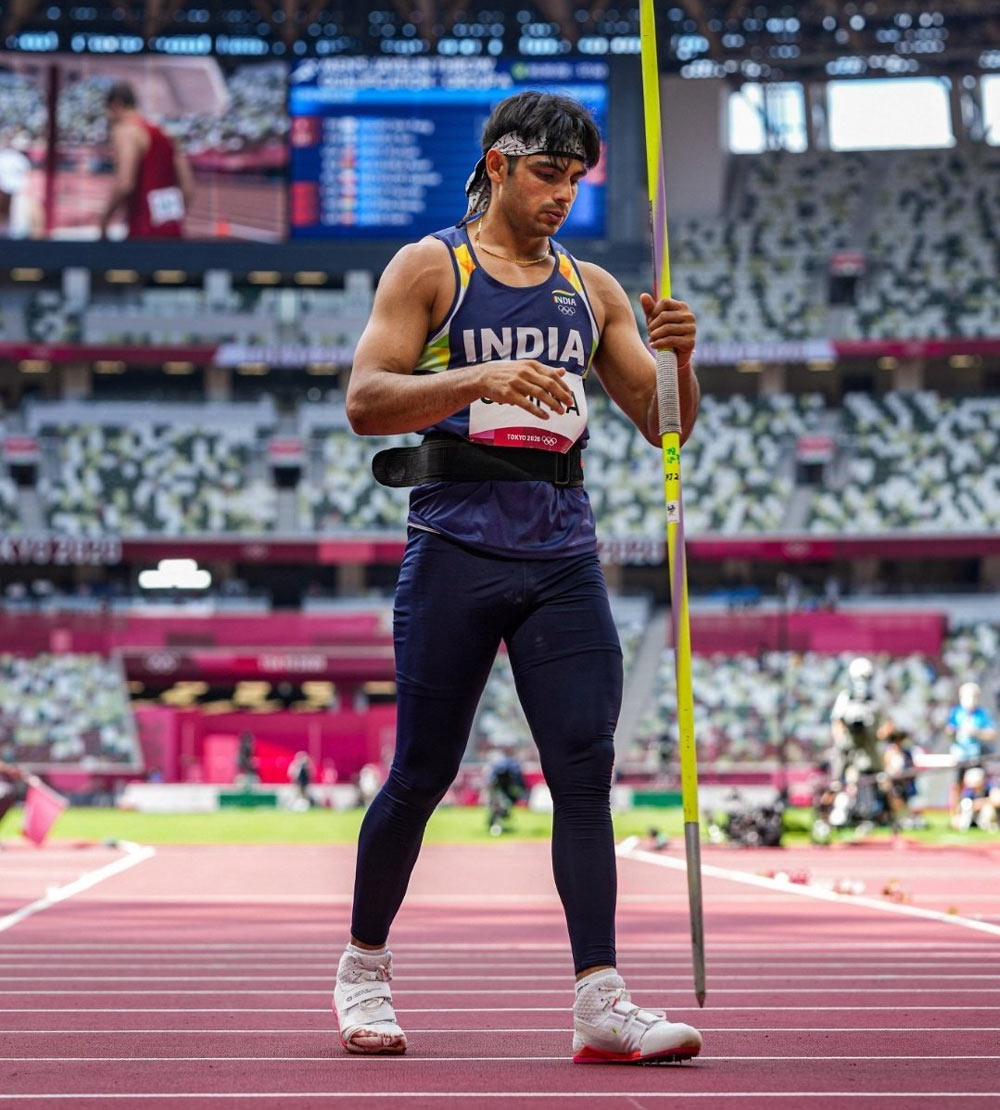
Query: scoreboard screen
(382,147)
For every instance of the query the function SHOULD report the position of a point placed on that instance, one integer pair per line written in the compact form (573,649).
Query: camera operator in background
(971,729)
(859,726)
(858,722)
(749,826)
(505,786)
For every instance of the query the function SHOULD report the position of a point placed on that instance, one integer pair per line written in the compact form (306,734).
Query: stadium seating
(744,703)
(914,461)
(926,223)
(904,461)
(308,319)
(71,709)
(738,471)
(25,111)
(338,490)
(932,246)
(760,275)
(737,468)
(8,501)
(126,476)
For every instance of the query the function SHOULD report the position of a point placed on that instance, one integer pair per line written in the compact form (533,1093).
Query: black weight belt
(443,458)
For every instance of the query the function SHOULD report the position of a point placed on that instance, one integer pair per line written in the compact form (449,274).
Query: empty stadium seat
(916,462)
(66,709)
(153,478)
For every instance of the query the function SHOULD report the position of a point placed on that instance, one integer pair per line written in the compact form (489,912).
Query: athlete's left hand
(669,323)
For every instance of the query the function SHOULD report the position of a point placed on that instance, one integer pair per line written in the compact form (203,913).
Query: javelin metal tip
(700,995)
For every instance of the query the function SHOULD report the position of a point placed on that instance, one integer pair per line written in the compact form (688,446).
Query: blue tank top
(487,320)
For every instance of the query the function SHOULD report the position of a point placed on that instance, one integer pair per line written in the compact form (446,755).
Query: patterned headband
(513,144)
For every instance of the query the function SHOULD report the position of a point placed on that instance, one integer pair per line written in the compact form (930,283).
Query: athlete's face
(541,189)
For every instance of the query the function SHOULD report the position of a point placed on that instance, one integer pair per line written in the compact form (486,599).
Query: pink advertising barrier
(825,631)
(185,745)
(829,632)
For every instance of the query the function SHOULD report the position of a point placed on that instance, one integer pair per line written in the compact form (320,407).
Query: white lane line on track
(345,1058)
(627,851)
(814,977)
(403,992)
(365,1095)
(662,967)
(447,900)
(542,950)
(561,1030)
(134,854)
(460,1009)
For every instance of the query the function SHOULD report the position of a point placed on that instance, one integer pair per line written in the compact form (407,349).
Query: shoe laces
(619,1001)
(358,973)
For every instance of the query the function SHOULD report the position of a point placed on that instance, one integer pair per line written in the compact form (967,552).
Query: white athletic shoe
(608,1028)
(362,1003)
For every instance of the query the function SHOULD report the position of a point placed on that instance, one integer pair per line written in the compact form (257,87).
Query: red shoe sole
(588,1055)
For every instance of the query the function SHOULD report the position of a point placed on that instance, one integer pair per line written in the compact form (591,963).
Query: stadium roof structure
(763,40)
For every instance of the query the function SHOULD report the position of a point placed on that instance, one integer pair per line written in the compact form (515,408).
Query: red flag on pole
(42,806)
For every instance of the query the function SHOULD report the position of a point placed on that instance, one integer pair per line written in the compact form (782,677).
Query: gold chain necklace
(516,261)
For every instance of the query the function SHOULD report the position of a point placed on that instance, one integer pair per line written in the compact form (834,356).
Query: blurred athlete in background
(152,178)
(971,729)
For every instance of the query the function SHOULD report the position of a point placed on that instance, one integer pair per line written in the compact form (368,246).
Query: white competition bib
(165,205)
(504,425)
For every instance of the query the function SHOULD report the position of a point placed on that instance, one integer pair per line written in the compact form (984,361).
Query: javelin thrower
(480,338)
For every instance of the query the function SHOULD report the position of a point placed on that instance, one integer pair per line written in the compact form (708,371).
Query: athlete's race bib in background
(165,205)
(503,425)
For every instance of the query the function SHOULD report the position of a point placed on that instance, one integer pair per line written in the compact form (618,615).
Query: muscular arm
(126,152)
(185,178)
(385,397)
(624,363)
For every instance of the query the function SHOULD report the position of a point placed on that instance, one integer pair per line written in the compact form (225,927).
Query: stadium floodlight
(175,574)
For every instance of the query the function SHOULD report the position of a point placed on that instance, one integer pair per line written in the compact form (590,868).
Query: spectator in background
(369,783)
(301,773)
(152,178)
(247,772)
(970,727)
(20,214)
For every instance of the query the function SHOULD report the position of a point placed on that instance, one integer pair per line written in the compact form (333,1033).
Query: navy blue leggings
(453,607)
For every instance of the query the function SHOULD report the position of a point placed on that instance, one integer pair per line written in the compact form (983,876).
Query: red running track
(201,976)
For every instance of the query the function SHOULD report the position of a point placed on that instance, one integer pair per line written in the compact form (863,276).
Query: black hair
(121,92)
(565,123)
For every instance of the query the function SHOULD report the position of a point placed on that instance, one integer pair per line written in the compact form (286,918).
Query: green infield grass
(455,824)
(448,825)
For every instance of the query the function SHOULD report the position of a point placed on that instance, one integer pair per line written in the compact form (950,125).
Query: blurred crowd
(65,709)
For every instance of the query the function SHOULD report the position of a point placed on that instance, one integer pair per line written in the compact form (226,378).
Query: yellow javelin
(670,439)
